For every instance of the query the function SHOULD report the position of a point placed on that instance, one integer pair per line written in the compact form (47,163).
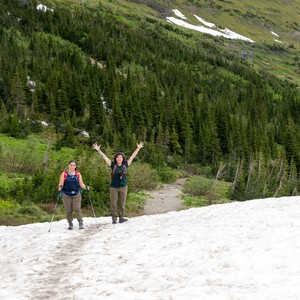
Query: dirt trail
(165,199)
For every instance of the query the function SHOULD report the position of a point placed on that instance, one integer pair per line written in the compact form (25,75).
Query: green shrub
(142,177)
(6,204)
(195,201)
(30,210)
(168,175)
(25,157)
(135,203)
(197,186)
(9,182)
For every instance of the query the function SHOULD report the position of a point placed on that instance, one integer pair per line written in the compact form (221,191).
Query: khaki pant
(72,203)
(116,194)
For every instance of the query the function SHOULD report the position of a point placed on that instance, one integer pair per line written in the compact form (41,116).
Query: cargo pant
(116,194)
(72,203)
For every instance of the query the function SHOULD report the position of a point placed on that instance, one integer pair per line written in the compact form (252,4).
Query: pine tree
(69,138)
(291,142)
(17,95)
(174,143)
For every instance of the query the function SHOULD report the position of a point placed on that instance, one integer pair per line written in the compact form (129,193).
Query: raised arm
(133,155)
(97,148)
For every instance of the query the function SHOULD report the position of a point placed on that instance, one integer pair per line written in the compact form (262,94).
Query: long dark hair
(117,154)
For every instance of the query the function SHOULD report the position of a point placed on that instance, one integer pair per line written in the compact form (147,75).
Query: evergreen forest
(124,79)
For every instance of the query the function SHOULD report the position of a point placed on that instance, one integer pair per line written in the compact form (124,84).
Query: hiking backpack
(114,170)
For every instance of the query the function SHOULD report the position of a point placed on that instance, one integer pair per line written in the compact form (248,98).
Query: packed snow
(241,250)
(275,40)
(43,8)
(179,14)
(212,28)
(273,33)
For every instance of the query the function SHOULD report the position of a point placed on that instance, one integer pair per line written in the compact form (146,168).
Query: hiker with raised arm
(70,182)
(118,185)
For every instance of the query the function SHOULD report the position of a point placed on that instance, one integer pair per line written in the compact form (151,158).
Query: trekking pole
(92,207)
(58,196)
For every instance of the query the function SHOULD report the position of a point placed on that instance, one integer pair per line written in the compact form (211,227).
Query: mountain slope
(128,71)
(273,25)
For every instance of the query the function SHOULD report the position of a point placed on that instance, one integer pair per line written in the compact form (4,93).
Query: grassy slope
(251,18)
(254,19)
(14,152)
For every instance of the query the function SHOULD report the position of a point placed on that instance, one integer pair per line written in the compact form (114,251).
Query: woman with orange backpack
(70,182)
(118,186)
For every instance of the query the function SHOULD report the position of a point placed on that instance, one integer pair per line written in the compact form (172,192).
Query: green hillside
(120,72)
(274,26)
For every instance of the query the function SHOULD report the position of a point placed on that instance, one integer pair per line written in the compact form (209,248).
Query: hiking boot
(70,226)
(122,220)
(81,226)
(114,220)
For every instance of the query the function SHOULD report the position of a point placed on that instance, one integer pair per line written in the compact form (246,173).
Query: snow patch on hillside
(209,28)
(44,8)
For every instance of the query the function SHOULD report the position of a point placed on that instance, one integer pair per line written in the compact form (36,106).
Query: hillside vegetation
(120,72)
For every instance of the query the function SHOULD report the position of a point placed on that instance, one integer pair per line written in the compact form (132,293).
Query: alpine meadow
(210,87)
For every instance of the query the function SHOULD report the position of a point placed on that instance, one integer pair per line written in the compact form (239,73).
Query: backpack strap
(77,174)
(114,170)
(66,175)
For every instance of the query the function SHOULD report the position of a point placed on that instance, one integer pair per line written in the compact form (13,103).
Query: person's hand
(87,187)
(96,146)
(140,145)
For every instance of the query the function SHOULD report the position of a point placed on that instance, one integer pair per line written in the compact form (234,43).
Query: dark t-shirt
(119,176)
